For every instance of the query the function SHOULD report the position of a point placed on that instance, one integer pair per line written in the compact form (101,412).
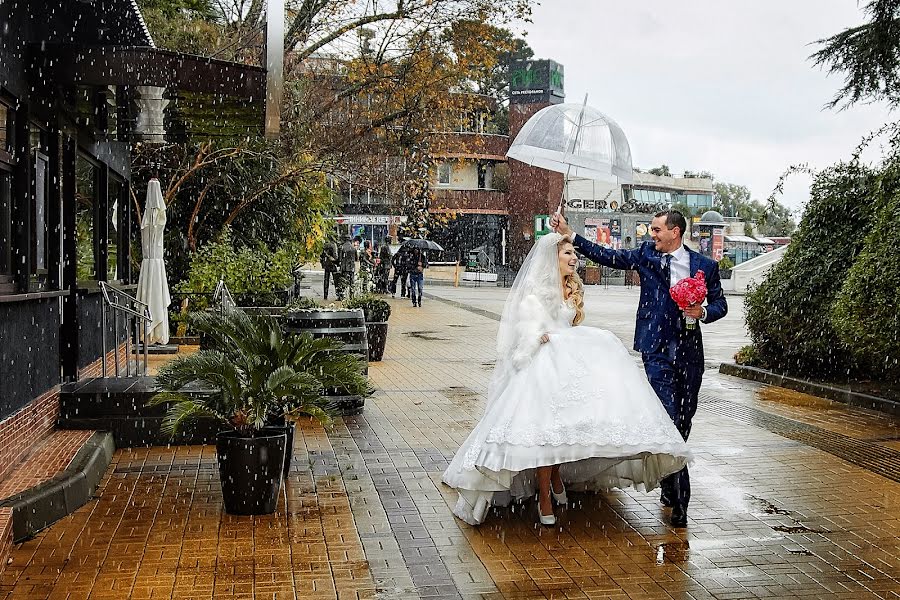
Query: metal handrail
(126,305)
(223,294)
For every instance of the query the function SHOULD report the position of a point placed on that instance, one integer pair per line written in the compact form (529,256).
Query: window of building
(116,233)
(86,198)
(485,176)
(444,171)
(6,167)
(41,194)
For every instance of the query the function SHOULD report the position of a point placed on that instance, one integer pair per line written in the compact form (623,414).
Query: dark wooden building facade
(70,74)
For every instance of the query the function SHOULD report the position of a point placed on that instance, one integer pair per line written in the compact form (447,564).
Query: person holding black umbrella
(419,263)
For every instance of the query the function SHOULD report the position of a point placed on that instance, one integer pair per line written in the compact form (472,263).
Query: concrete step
(119,405)
(58,477)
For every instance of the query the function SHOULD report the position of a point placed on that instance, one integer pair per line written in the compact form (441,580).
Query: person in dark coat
(383,270)
(330,263)
(347,259)
(402,264)
(366,266)
(418,264)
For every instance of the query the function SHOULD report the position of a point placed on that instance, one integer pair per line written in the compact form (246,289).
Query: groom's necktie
(667,268)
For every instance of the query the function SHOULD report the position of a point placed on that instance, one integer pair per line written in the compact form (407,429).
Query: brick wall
(95,369)
(33,422)
(27,426)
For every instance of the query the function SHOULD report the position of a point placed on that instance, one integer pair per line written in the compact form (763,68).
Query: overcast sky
(716,85)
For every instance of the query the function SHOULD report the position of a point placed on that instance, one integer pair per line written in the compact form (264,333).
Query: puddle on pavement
(461,396)
(787,397)
(798,528)
(425,335)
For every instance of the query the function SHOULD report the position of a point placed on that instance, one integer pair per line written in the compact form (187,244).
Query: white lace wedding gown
(581,401)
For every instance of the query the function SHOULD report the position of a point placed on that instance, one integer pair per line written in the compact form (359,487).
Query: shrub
(302,303)
(255,276)
(788,314)
(866,313)
(254,373)
(375,309)
(746,356)
(725,264)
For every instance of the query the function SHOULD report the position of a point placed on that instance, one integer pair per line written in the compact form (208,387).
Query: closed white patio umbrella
(153,287)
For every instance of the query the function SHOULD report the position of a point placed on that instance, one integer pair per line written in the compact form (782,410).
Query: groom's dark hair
(673,219)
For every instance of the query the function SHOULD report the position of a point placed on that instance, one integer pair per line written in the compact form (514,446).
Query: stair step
(119,405)
(57,479)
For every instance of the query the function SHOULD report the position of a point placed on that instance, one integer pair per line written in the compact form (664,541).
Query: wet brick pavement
(794,497)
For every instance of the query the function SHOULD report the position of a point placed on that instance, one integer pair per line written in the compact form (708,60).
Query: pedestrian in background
(383,268)
(330,263)
(419,263)
(348,268)
(401,262)
(366,267)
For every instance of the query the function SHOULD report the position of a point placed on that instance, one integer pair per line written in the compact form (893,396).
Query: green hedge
(789,313)
(866,313)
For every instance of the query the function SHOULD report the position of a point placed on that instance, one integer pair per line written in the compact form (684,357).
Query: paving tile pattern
(364,514)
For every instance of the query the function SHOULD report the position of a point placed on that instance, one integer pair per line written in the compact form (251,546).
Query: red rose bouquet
(690,291)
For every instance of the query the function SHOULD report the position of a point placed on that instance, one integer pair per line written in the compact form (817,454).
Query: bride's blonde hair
(574,289)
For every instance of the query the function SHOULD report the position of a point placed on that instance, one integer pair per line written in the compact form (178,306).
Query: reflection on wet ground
(787,503)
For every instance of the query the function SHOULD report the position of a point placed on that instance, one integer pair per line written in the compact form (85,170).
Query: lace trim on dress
(585,433)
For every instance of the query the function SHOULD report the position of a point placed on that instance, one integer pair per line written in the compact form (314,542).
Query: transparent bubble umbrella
(577,140)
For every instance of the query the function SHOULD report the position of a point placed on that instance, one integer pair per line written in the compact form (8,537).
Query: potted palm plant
(377,312)
(250,377)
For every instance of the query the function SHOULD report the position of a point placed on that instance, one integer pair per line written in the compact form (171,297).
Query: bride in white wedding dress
(567,406)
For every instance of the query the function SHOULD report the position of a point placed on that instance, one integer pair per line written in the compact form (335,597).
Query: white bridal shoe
(546,519)
(561,497)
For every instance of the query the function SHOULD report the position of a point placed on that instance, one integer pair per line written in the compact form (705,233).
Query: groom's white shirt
(680,267)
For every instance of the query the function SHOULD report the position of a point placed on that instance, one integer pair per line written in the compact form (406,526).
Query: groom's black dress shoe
(666,501)
(679,516)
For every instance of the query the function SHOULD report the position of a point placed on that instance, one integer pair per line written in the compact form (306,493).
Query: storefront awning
(741,239)
(765,240)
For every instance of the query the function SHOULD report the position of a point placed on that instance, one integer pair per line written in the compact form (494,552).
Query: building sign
(533,81)
(369,219)
(541,226)
(629,206)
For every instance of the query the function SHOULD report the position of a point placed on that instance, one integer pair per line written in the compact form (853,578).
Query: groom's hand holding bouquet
(689,294)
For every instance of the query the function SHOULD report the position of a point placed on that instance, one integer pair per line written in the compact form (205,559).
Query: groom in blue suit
(672,352)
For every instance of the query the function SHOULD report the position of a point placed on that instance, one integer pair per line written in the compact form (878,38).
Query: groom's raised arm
(616,259)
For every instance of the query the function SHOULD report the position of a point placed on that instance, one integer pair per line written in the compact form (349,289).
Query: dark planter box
(250,471)
(377,335)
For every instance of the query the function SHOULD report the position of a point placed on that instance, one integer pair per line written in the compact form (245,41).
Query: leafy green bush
(255,276)
(788,314)
(302,303)
(375,309)
(866,314)
(254,373)
(747,355)
(725,264)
